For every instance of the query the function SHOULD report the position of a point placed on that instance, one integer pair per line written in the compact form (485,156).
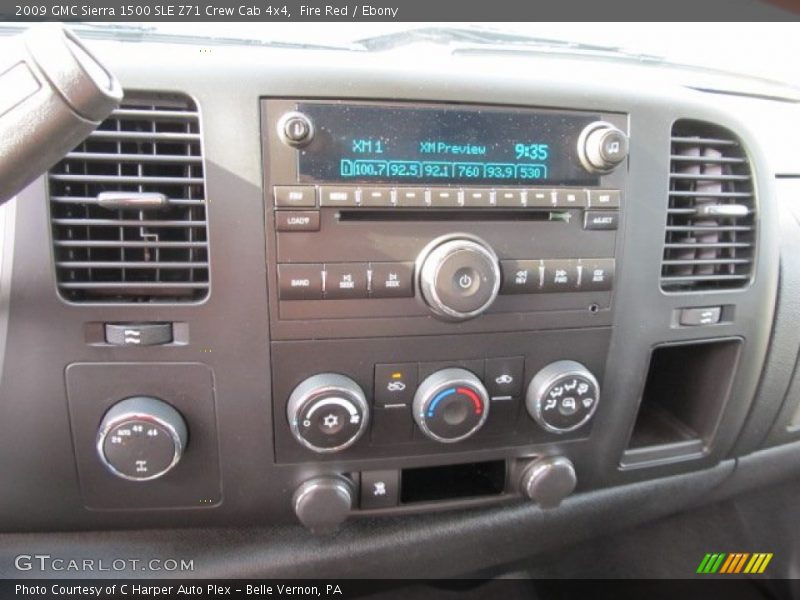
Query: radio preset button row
(341,281)
(557,275)
(449,197)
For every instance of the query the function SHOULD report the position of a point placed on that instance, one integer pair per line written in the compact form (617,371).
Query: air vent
(128,207)
(710,238)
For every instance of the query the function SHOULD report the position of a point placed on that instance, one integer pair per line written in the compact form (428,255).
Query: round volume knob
(323,503)
(459,276)
(141,438)
(451,405)
(547,481)
(327,412)
(601,147)
(563,396)
(295,129)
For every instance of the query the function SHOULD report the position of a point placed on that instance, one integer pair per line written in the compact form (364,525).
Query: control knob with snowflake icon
(327,412)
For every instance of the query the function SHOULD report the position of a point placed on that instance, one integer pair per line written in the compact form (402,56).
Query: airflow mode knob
(563,396)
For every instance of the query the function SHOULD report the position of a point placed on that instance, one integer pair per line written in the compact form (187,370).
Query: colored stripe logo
(734,562)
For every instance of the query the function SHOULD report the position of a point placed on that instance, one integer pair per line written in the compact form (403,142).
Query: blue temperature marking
(437,399)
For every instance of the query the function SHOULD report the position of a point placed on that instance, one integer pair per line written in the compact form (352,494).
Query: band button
(300,282)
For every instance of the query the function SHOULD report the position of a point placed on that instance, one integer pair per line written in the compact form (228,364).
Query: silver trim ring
(449,377)
(131,415)
(545,379)
(431,260)
(326,384)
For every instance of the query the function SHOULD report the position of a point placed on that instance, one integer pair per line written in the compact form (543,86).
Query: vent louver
(710,236)
(128,207)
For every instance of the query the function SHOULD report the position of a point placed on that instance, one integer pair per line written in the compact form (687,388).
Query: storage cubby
(686,390)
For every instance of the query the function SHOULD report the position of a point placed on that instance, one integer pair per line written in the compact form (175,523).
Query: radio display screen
(361,143)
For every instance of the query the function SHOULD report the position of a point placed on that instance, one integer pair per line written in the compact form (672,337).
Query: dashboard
(282,286)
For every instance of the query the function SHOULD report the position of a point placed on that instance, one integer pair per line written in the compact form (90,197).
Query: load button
(297,220)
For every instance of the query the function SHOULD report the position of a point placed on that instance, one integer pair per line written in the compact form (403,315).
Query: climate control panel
(521,391)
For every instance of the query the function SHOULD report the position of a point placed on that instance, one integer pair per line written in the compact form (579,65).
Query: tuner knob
(327,412)
(602,147)
(323,503)
(547,481)
(451,405)
(459,276)
(141,438)
(563,396)
(295,129)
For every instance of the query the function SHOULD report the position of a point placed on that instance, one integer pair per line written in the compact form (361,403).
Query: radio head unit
(407,217)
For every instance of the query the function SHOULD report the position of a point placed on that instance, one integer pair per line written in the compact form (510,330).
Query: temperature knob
(563,396)
(451,405)
(459,276)
(327,412)
(141,438)
(602,147)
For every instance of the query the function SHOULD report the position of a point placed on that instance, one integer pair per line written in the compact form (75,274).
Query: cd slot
(432,214)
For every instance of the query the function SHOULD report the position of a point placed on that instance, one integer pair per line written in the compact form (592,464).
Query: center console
(441,285)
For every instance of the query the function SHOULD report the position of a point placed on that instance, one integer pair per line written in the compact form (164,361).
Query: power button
(467,281)
(295,129)
(459,277)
